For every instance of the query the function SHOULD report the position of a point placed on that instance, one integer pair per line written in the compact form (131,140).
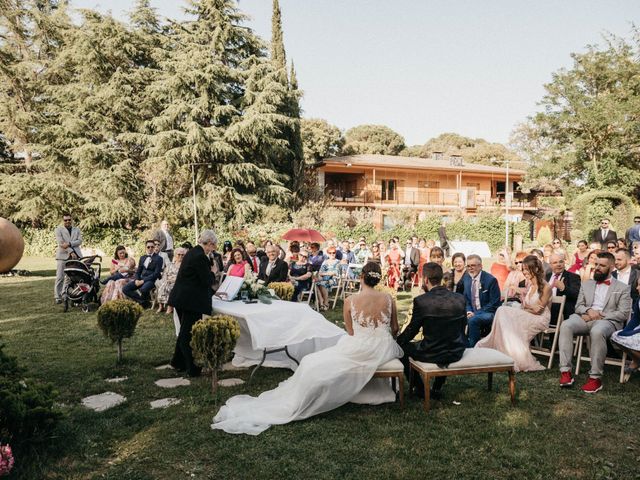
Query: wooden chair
(553,329)
(311,293)
(616,362)
(346,286)
(393,369)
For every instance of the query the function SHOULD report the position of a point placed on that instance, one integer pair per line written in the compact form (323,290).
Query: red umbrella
(304,235)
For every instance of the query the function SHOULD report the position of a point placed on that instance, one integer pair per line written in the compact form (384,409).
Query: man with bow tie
(603,306)
(149,270)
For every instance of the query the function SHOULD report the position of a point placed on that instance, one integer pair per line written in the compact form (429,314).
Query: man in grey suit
(603,306)
(68,239)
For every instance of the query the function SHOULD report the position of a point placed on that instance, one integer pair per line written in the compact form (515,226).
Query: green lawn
(551,433)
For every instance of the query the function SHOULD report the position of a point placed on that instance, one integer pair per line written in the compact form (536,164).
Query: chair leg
(624,362)
(335,299)
(554,345)
(401,389)
(489,381)
(512,386)
(427,393)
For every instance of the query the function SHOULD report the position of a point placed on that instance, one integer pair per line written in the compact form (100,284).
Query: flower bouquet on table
(6,460)
(252,288)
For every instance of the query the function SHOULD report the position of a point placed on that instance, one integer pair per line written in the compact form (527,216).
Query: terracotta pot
(11,245)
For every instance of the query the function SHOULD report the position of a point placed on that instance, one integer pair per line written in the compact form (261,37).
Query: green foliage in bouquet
(284,290)
(27,412)
(213,340)
(118,319)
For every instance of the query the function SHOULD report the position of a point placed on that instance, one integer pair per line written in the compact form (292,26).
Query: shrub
(589,208)
(544,236)
(118,319)
(213,340)
(284,290)
(27,412)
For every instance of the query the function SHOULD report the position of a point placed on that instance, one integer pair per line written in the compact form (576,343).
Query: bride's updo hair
(371,274)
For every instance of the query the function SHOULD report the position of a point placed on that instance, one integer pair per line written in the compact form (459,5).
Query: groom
(442,316)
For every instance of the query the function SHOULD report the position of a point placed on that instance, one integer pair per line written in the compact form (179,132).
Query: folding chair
(553,329)
(616,362)
(311,293)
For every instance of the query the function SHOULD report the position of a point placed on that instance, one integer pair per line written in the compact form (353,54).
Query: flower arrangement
(6,460)
(283,290)
(254,288)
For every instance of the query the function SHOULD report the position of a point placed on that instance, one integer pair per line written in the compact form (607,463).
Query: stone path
(230,382)
(103,401)
(165,402)
(173,382)
(116,379)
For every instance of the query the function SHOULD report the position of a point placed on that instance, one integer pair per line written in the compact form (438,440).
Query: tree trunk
(119,350)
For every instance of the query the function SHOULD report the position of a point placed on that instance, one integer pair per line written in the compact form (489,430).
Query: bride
(328,378)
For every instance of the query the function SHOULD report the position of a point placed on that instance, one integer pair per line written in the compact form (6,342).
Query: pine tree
(278,55)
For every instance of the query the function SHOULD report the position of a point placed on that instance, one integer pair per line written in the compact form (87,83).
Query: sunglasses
(150,246)
(518,263)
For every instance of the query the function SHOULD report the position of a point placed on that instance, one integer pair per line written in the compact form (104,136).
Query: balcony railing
(424,197)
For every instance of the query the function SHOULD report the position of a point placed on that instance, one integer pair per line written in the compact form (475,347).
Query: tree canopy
(320,139)
(372,139)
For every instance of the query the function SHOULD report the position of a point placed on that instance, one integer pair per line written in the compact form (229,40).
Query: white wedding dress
(324,380)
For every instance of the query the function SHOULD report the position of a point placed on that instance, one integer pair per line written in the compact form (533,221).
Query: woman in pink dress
(394,261)
(424,257)
(514,328)
(579,256)
(122,268)
(238,266)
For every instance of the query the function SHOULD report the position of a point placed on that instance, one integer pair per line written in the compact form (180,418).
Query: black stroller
(83,281)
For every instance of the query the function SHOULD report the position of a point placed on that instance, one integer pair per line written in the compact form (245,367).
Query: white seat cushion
(472,358)
(394,365)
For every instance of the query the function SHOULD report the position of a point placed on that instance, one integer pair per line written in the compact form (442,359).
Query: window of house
(432,184)
(389,189)
(474,185)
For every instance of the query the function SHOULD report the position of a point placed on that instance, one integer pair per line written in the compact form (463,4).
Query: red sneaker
(566,380)
(593,385)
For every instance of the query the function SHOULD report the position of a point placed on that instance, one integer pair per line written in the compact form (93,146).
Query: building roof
(393,161)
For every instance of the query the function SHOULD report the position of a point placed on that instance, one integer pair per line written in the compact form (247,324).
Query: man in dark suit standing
(272,268)
(410,262)
(604,234)
(149,270)
(441,315)
(191,298)
(482,294)
(563,284)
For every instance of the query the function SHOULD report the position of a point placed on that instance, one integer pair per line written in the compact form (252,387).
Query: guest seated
(113,289)
(628,339)
(328,275)
(272,268)
(563,284)
(238,266)
(300,274)
(316,257)
(500,268)
(376,255)
(121,265)
(482,294)
(292,253)
(254,259)
(515,283)
(227,246)
(579,256)
(514,327)
(459,263)
(436,255)
(603,306)
(168,280)
(441,316)
(347,255)
(362,252)
(589,266)
(394,261)
(149,270)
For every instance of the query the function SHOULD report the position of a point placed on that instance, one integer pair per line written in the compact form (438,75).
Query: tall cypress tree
(278,55)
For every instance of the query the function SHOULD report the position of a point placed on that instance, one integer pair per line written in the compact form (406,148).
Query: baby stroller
(83,281)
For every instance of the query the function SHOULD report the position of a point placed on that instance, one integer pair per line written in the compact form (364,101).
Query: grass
(551,433)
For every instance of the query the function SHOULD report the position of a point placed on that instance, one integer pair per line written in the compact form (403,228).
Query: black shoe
(194,372)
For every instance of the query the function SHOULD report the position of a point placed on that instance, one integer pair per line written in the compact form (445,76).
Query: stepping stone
(173,382)
(103,401)
(164,367)
(165,402)
(229,367)
(116,379)
(230,382)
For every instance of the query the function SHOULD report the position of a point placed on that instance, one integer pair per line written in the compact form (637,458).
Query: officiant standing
(191,298)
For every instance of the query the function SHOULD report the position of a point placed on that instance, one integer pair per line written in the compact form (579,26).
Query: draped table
(278,334)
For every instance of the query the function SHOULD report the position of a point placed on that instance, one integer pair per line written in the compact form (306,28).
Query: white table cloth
(294,325)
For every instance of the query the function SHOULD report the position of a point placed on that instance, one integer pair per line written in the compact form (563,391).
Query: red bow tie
(604,282)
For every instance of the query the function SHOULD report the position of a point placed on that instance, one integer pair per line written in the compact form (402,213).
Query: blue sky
(426,67)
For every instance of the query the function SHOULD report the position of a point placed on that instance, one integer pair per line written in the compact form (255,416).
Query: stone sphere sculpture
(11,245)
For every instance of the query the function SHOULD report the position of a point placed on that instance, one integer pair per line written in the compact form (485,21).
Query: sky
(423,67)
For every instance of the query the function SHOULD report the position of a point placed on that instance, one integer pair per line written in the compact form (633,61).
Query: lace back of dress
(367,315)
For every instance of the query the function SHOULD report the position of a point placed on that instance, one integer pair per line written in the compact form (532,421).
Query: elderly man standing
(191,298)
(164,238)
(603,306)
(69,240)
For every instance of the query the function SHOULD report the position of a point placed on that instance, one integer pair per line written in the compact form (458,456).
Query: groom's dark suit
(441,315)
